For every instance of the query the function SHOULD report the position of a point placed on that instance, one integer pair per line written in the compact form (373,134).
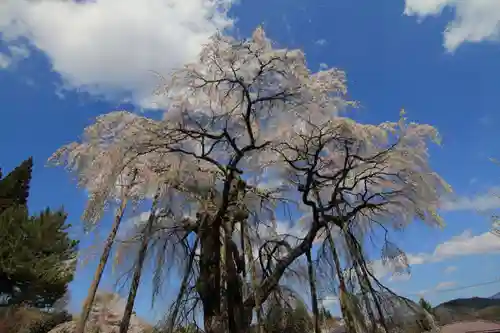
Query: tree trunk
(89,300)
(125,322)
(314,296)
(87,305)
(238,316)
(253,277)
(227,309)
(208,285)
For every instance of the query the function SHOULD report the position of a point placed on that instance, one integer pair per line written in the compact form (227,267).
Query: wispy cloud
(450,269)
(482,202)
(445,285)
(439,287)
(13,55)
(474,20)
(4,61)
(320,42)
(400,277)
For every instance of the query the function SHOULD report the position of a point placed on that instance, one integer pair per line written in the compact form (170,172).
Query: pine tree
(300,318)
(36,254)
(425,305)
(14,188)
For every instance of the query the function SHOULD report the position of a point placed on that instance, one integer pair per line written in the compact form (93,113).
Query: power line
(497,280)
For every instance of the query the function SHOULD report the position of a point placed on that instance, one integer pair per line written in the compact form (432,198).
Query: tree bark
(209,281)
(234,285)
(208,285)
(136,279)
(314,295)
(253,276)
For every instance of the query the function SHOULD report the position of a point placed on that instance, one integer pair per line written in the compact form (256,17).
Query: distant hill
(468,309)
(476,303)
(496,296)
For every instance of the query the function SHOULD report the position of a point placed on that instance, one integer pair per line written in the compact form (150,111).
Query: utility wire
(497,280)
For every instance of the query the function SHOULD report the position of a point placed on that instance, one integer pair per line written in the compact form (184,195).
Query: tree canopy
(37,256)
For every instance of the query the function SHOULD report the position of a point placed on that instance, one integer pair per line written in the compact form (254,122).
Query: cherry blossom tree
(252,136)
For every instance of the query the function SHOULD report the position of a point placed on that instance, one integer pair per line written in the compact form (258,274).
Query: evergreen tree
(301,320)
(14,188)
(282,318)
(425,305)
(325,314)
(36,254)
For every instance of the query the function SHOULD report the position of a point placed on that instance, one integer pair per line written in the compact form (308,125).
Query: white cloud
(474,20)
(439,287)
(445,285)
(422,293)
(461,245)
(450,269)
(321,42)
(15,54)
(111,47)
(329,301)
(467,244)
(482,202)
(4,61)
(400,277)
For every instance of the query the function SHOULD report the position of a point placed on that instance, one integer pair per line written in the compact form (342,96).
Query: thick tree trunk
(233,296)
(314,295)
(223,308)
(136,279)
(208,285)
(237,317)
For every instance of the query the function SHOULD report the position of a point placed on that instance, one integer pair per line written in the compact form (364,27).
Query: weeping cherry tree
(251,133)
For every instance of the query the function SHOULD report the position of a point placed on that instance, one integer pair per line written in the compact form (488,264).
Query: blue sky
(62,63)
